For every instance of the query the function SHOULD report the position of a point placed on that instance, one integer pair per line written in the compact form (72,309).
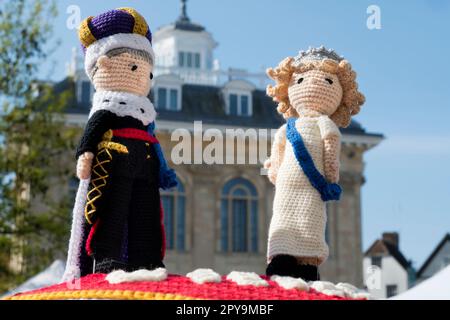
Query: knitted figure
(317,93)
(117,218)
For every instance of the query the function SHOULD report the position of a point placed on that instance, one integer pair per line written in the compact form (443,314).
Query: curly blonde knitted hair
(352,99)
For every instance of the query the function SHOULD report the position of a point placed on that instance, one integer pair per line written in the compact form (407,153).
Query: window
(85,92)
(162,98)
(189,59)
(173,202)
(239,104)
(376,261)
(391,290)
(181,59)
(244,105)
(167,99)
(233,105)
(197,60)
(173,99)
(239,217)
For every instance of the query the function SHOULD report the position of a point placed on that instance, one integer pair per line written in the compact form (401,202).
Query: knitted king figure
(117,218)
(317,93)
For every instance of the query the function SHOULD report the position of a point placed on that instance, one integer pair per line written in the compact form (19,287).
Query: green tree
(33,139)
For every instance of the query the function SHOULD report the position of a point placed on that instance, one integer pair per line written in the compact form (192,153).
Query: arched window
(239,217)
(173,202)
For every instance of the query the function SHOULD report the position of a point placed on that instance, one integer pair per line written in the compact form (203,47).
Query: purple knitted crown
(122,20)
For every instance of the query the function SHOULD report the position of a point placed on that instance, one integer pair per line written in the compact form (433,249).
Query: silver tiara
(316,54)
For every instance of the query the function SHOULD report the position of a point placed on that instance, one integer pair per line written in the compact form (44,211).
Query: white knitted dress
(299,217)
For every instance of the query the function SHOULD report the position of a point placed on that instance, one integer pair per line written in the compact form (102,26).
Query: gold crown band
(85,34)
(140,26)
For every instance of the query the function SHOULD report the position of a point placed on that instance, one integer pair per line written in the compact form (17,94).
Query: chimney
(391,237)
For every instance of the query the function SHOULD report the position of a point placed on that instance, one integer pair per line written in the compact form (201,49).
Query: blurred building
(391,272)
(219,215)
(437,261)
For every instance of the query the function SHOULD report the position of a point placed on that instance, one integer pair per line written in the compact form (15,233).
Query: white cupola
(185,49)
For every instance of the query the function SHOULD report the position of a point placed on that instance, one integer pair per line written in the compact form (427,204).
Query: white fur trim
(353,292)
(134,105)
(201,276)
(247,278)
(336,292)
(75,244)
(327,288)
(289,283)
(120,276)
(341,290)
(348,288)
(322,285)
(362,295)
(119,40)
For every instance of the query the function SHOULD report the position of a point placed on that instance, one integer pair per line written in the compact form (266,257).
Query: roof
(187,25)
(433,254)
(206,103)
(382,247)
(435,288)
(184,22)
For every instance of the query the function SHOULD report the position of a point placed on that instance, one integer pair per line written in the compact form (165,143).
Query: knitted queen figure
(117,218)
(317,93)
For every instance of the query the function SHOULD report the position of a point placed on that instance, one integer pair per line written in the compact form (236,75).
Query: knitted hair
(352,99)
(119,28)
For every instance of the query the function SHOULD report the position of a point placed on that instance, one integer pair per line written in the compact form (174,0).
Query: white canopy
(434,288)
(51,275)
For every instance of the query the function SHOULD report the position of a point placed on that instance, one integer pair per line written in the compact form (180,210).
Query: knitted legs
(286,265)
(108,240)
(133,204)
(282,265)
(144,226)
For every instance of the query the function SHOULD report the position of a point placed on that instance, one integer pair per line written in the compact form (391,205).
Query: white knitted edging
(72,270)
(247,278)
(348,288)
(289,283)
(327,288)
(201,276)
(138,107)
(120,276)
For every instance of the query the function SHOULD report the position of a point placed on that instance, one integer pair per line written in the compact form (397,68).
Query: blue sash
(328,191)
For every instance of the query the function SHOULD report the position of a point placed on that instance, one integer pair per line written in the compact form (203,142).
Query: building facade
(218,216)
(437,261)
(391,272)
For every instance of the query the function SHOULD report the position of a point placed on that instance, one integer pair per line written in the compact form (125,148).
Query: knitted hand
(84,165)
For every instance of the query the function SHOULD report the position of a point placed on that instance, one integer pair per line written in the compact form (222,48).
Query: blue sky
(403,69)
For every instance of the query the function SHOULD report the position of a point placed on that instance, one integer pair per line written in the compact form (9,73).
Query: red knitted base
(175,287)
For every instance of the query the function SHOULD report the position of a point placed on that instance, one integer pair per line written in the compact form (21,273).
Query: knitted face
(125,72)
(315,90)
